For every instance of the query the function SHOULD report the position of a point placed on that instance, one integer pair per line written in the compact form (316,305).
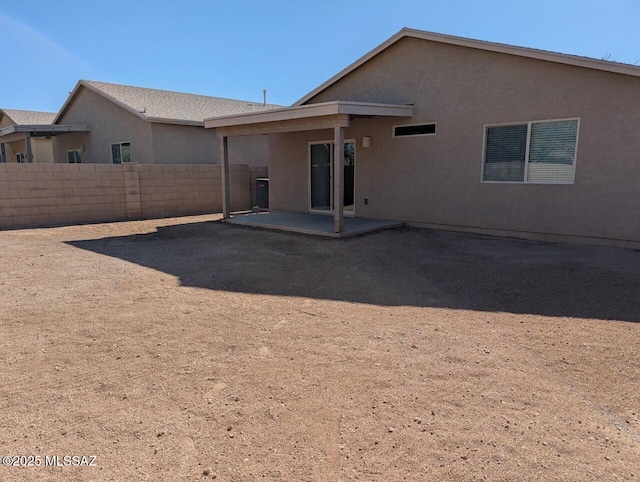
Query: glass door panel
(321,156)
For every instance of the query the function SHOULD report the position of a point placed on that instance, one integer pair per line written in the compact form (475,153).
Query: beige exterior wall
(5,121)
(109,124)
(151,143)
(12,148)
(196,145)
(41,149)
(436,180)
(47,194)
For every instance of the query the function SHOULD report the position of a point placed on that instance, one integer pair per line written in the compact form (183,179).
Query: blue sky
(237,48)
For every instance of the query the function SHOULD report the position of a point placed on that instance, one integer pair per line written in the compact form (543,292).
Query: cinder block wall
(48,194)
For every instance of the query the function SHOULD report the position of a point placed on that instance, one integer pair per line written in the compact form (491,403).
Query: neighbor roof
(165,106)
(29,117)
(575,60)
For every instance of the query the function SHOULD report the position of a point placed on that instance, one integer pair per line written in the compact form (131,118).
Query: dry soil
(187,349)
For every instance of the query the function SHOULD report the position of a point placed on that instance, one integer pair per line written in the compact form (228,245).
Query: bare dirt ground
(186,349)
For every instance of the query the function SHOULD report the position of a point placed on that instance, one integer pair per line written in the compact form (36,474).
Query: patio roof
(334,115)
(40,130)
(27,132)
(304,117)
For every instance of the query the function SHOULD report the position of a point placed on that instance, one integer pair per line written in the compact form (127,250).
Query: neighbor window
(535,152)
(74,156)
(121,152)
(415,130)
(20,158)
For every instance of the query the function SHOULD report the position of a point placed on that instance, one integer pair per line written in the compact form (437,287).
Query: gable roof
(153,105)
(567,59)
(29,117)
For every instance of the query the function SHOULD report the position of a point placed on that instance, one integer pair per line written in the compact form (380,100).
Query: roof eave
(312,110)
(57,128)
(164,120)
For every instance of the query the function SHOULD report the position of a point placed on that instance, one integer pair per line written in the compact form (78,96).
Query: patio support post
(27,141)
(338,179)
(224,178)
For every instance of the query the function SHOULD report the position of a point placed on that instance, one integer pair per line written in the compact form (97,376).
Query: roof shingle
(29,117)
(154,104)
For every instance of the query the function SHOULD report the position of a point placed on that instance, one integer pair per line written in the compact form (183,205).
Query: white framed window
(121,152)
(538,152)
(413,130)
(20,158)
(74,157)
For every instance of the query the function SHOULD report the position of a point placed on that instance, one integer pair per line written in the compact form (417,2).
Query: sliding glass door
(321,176)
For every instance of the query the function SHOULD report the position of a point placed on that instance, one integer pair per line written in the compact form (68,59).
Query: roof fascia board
(163,120)
(290,125)
(45,128)
(67,103)
(549,56)
(556,57)
(311,110)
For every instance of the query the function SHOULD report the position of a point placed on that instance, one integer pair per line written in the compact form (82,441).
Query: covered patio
(25,133)
(335,116)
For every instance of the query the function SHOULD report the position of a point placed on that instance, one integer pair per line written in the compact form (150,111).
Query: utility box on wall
(262,192)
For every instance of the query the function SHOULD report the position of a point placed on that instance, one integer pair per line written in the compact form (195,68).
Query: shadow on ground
(412,267)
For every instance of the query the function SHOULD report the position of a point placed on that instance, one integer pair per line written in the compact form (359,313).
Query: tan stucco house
(149,126)
(452,133)
(19,136)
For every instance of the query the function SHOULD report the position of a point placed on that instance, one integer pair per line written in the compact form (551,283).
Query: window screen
(551,148)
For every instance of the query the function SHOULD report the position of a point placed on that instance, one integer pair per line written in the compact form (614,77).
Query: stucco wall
(436,180)
(42,150)
(156,143)
(197,145)
(109,124)
(5,121)
(12,148)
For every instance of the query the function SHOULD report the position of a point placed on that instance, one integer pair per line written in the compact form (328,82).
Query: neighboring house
(16,142)
(451,133)
(135,124)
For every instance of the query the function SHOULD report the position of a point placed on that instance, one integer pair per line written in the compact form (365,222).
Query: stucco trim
(548,56)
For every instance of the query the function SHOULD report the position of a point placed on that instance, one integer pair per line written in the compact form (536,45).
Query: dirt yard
(186,349)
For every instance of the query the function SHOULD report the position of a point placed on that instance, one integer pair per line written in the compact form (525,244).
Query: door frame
(355,167)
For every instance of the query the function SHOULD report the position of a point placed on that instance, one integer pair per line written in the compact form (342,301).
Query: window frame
(527,149)
(78,152)
(434,124)
(119,144)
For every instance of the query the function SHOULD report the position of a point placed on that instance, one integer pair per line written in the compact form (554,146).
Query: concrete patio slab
(315,224)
